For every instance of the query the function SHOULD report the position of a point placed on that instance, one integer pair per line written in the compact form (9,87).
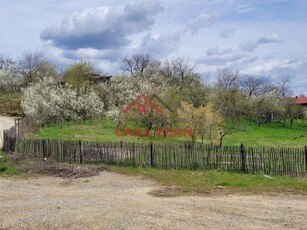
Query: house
(301,101)
(97,78)
(93,78)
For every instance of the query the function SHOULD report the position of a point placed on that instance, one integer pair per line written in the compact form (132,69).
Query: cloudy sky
(265,37)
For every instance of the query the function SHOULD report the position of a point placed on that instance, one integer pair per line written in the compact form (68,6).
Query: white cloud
(270,38)
(252,44)
(110,54)
(102,27)
(226,33)
(167,43)
(222,58)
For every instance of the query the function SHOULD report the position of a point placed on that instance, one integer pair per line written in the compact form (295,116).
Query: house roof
(97,76)
(301,100)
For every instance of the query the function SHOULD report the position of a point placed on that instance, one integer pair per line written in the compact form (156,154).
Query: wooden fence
(272,161)
(10,136)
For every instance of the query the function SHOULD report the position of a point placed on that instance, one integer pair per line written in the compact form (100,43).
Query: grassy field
(203,181)
(100,131)
(273,135)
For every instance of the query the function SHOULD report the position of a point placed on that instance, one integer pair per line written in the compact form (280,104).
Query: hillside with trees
(32,87)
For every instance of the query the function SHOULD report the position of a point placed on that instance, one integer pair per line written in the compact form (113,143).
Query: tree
(231,104)
(228,79)
(76,74)
(210,123)
(283,86)
(8,83)
(46,101)
(292,110)
(204,121)
(188,118)
(6,64)
(179,71)
(123,90)
(34,66)
(195,92)
(253,85)
(179,74)
(140,65)
(262,108)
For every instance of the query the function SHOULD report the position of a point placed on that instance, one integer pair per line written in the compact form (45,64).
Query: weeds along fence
(272,161)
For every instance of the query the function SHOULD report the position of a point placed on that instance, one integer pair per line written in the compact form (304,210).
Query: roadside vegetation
(206,181)
(6,167)
(177,182)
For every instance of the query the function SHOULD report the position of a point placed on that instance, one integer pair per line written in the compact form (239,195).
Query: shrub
(8,83)
(46,101)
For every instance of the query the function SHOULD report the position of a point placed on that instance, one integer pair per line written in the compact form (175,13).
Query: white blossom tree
(8,82)
(47,101)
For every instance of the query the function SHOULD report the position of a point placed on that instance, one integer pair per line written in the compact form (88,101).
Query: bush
(8,83)
(3,168)
(46,101)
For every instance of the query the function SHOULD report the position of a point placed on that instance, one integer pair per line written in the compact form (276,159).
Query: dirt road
(5,123)
(113,201)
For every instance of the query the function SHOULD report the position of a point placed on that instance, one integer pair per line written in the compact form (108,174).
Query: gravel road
(114,201)
(5,123)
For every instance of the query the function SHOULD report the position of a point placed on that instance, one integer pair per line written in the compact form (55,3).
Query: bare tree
(139,65)
(34,66)
(179,71)
(253,85)
(6,64)
(167,70)
(283,86)
(182,68)
(228,79)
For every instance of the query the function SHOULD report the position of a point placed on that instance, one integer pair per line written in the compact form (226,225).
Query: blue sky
(259,37)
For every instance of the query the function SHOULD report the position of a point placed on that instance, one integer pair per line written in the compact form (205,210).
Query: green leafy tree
(76,74)
(204,121)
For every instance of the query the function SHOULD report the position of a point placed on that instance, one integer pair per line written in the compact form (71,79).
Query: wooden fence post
(15,129)
(152,160)
(44,148)
(81,154)
(306,158)
(243,158)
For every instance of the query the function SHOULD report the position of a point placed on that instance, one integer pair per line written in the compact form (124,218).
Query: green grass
(98,131)
(271,135)
(204,181)
(5,168)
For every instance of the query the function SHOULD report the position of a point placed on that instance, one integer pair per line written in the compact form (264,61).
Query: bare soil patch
(47,166)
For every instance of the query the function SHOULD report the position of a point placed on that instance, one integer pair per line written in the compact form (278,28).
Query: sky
(264,37)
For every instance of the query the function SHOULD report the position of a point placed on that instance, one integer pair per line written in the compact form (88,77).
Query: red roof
(301,100)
